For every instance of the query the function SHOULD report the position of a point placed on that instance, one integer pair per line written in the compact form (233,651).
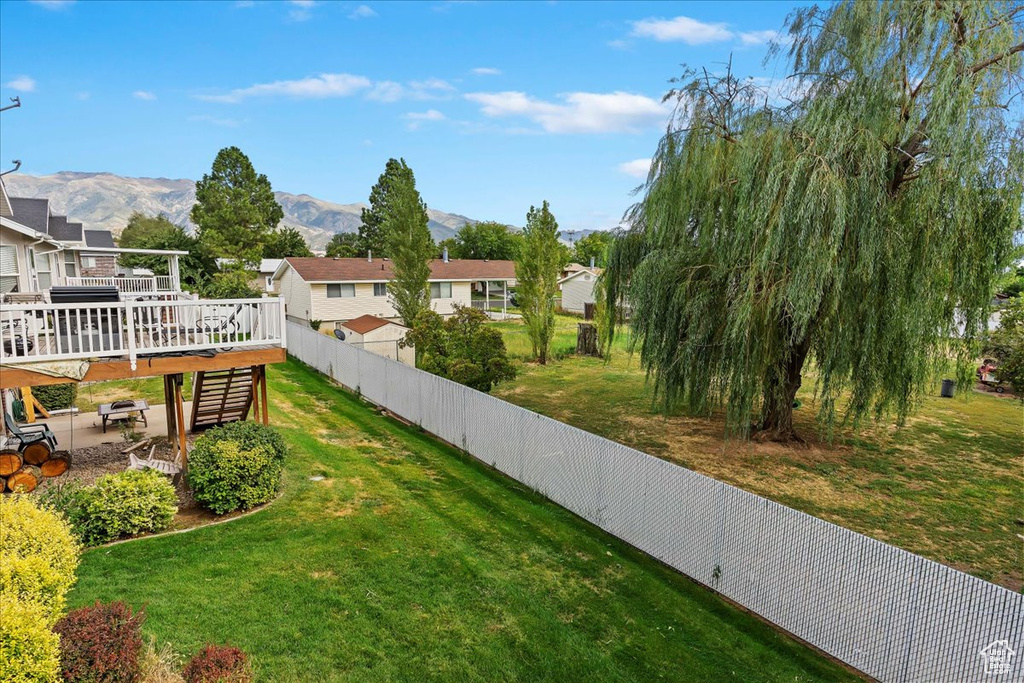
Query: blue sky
(496,106)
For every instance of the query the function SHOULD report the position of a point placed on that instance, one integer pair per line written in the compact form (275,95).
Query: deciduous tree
(487,240)
(462,348)
(235,208)
(285,242)
(844,227)
(343,245)
(593,246)
(538,265)
(158,232)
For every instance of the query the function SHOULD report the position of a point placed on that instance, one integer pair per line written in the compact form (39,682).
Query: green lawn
(411,561)
(948,486)
(92,394)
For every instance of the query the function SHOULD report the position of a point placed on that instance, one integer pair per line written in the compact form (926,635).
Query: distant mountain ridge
(104,201)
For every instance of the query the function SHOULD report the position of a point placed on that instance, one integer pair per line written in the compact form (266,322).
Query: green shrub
(236,467)
(101,644)
(39,556)
(29,650)
(56,396)
(122,504)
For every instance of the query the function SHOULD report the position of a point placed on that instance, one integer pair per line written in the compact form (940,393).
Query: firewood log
(26,479)
(10,462)
(36,453)
(58,464)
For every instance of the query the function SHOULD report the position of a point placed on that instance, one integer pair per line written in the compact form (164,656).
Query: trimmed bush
(101,644)
(236,467)
(218,664)
(29,650)
(39,556)
(56,396)
(122,504)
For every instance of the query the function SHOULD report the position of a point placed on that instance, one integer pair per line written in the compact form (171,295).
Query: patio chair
(171,469)
(28,435)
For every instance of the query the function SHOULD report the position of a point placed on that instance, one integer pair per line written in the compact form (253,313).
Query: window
(88,261)
(8,268)
(342,290)
(70,266)
(440,290)
(380,289)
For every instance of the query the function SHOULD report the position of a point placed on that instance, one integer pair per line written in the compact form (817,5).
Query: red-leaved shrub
(101,644)
(218,664)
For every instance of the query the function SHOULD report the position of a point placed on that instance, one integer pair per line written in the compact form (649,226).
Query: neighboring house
(264,280)
(98,265)
(571,269)
(336,290)
(578,289)
(379,336)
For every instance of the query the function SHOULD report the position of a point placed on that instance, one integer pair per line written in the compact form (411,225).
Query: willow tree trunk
(776,423)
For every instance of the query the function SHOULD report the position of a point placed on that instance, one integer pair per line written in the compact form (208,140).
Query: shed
(379,336)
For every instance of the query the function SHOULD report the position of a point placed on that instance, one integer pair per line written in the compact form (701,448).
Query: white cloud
(216,121)
(312,87)
(685,29)
(303,9)
(637,168)
(580,112)
(758,37)
(144,95)
(430,89)
(693,32)
(362,12)
(486,71)
(22,84)
(386,91)
(416,118)
(53,4)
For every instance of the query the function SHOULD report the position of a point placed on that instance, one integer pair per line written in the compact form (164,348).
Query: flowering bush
(101,644)
(218,664)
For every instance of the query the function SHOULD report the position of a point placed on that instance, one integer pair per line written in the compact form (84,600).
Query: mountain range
(104,201)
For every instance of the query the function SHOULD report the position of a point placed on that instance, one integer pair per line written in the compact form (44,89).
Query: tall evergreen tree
(845,228)
(410,247)
(235,209)
(538,266)
(371,231)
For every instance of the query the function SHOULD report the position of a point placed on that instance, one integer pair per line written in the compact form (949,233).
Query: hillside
(106,201)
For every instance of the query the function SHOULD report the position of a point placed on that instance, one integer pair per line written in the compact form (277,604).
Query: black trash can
(947,388)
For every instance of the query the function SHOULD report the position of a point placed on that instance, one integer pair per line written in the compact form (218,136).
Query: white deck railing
(127,329)
(127,285)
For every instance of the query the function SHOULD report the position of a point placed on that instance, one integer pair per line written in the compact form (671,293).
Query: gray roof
(32,213)
(75,232)
(63,231)
(99,238)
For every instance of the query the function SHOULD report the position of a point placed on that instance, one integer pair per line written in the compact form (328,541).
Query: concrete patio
(85,430)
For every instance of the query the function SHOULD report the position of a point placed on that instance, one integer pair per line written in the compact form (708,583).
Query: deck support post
(172,431)
(255,394)
(263,393)
(179,414)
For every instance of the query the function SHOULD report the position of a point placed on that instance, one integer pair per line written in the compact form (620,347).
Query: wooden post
(263,393)
(172,430)
(179,409)
(255,394)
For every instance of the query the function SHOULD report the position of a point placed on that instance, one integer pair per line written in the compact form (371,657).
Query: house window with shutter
(8,268)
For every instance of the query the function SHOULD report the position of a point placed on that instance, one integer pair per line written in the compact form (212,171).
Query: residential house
(578,289)
(379,336)
(264,280)
(336,290)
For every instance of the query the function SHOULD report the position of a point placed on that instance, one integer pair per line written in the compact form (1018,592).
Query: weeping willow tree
(852,221)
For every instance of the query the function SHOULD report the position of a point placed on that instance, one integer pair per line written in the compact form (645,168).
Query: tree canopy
(1006,346)
(593,246)
(462,348)
(856,217)
(343,245)
(372,232)
(285,242)
(235,208)
(538,265)
(487,240)
(158,232)
(408,243)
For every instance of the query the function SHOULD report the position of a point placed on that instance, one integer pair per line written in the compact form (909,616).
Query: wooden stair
(221,396)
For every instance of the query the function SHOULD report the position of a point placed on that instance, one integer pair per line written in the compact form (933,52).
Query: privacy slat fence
(894,615)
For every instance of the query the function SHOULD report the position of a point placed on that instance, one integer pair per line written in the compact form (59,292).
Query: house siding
(340,309)
(383,341)
(578,291)
(14,239)
(295,293)
(106,266)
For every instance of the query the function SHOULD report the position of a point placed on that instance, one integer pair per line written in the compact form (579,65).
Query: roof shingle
(63,231)
(99,238)
(366,323)
(32,213)
(313,269)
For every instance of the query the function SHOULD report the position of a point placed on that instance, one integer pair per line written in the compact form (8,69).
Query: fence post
(129,310)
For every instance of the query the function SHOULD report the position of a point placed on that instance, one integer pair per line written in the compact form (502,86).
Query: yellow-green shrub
(29,650)
(40,556)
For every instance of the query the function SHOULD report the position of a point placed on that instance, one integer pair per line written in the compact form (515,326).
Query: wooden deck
(107,369)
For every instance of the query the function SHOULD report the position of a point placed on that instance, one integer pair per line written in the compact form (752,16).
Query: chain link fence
(891,614)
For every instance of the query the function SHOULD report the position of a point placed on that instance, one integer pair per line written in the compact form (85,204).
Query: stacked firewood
(23,470)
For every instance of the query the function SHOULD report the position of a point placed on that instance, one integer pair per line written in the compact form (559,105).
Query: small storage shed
(379,336)
(578,289)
